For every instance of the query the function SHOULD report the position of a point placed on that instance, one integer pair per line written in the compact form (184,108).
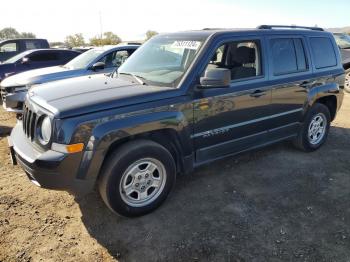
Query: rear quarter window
(323,52)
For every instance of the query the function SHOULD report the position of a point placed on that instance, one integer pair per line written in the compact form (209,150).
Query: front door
(233,119)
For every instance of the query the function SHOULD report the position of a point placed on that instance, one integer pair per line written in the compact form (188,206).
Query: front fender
(109,132)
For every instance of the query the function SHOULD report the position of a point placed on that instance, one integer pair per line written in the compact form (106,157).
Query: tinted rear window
(288,56)
(323,52)
(67,55)
(44,57)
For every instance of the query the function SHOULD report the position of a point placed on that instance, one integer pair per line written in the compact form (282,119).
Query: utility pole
(101,32)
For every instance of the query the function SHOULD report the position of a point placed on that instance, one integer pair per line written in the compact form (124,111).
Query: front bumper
(13,102)
(48,169)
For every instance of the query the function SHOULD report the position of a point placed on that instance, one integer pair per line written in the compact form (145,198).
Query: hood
(38,76)
(87,94)
(6,68)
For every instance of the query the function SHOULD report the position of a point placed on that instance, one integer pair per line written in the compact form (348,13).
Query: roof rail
(133,43)
(289,26)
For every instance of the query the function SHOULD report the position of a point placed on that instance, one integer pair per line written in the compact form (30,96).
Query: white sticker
(186,44)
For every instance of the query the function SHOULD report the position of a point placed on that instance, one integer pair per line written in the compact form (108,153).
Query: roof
(245,31)
(40,39)
(109,47)
(49,49)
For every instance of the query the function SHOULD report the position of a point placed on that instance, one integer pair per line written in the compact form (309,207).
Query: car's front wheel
(137,178)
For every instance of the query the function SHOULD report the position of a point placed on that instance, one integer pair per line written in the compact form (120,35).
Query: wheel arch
(168,138)
(330,102)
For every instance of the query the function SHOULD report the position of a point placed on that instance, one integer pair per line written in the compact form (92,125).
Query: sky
(130,19)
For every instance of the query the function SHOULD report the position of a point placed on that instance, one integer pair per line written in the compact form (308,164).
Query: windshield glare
(83,60)
(343,41)
(15,58)
(162,60)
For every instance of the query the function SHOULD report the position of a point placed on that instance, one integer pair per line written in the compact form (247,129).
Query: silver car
(101,60)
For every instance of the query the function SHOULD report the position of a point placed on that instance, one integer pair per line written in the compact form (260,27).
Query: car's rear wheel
(347,81)
(314,130)
(137,178)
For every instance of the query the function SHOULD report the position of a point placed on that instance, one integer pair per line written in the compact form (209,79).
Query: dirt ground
(276,204)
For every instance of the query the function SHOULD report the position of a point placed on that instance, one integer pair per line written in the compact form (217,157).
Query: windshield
(343,41)
(15,58)
(83,60)
(163,60)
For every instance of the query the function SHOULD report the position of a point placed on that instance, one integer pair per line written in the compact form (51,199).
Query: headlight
(45,130)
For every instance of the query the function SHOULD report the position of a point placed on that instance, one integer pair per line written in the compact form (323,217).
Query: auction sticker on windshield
(186,44)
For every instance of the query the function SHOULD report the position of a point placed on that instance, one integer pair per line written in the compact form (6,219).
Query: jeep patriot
(182,100)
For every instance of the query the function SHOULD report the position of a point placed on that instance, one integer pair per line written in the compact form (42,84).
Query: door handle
(257,93)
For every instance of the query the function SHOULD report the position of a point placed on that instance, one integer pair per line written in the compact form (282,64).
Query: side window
(44,57)
(115,59)
(120,57)
(288,56)
(242,58)
(9,47)
(323,52)
(107,60)
(30,44)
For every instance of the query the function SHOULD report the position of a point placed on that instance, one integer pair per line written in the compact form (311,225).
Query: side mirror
(98,66)
(25,60)
(216,77)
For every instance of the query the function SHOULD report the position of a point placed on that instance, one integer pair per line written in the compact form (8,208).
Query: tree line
(108,38)
(11,33)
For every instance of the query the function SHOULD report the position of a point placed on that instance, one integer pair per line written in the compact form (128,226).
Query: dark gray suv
(180,101)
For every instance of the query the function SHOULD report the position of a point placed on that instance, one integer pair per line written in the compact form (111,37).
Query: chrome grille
(3,93)
(30,121)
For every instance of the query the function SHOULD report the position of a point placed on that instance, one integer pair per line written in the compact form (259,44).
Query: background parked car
(343,41)
(10,48)
(37,58)
(99,60)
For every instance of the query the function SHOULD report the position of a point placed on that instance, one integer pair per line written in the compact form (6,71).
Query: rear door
(291,78)
(233,119)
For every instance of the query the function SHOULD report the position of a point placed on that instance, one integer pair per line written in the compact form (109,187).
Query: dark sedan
(37,58)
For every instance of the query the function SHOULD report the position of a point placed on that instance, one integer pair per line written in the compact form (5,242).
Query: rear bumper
(49,169)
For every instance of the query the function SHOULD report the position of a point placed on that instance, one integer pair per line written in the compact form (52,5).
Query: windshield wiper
(139,79)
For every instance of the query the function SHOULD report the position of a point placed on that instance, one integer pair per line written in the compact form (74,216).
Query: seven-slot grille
(30,121)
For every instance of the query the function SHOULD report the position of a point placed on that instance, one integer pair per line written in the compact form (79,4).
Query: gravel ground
(275,204)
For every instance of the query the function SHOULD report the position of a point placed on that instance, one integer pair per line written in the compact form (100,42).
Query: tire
(124,181)
(347,81)
(312,141)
